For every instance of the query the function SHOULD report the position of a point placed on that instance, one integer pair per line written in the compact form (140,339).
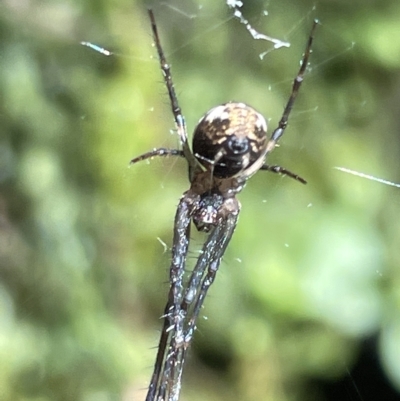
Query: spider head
(230,138)
(206,215)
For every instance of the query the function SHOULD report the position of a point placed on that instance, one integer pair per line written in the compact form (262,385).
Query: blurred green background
(310,283)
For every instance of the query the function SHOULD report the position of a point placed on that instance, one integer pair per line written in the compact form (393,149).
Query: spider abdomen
(230,138)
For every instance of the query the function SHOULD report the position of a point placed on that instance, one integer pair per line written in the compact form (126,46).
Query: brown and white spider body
(230,144)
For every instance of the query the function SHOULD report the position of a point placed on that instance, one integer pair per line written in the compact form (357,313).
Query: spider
(229,146)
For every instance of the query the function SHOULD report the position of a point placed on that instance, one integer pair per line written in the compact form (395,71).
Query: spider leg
(283,171)
(196,291)
(172,332)
(164,339)
(176,110)
(157,152)
(278,132)
(199,282)
(178,351)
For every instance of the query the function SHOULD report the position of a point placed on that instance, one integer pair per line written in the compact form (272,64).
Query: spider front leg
(202,277)
(177,351)
(162,346)
(210,258)
(200,281)
(172,332)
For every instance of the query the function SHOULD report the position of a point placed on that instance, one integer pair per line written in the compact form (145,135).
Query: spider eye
(230,138)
